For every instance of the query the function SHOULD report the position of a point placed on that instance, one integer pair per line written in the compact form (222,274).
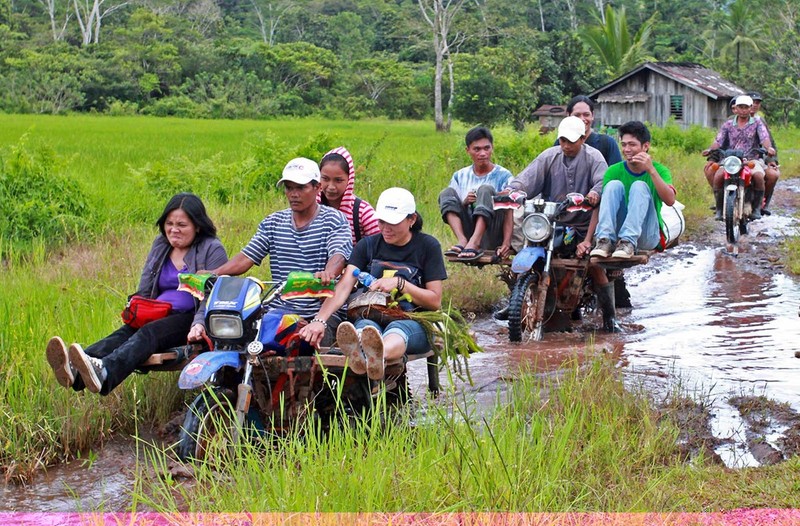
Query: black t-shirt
(418,261)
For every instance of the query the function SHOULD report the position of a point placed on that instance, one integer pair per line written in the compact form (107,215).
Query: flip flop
(470,254)
(454,250)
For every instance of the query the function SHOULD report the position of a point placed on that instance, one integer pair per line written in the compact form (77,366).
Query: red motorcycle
(737,208)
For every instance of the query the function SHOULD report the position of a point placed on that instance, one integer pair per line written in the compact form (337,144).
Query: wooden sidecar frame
(176,358)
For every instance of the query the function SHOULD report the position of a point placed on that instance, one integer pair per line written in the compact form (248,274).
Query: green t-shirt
(620,172)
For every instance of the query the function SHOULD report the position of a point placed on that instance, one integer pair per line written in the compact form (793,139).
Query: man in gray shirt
(569,167)
(573,166)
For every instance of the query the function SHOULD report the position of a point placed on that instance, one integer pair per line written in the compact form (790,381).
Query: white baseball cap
(301,171)
(571,128)
(394,205)
(744,100)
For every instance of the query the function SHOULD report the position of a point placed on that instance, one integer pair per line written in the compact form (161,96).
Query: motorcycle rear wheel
(732,216)
(522,307)
(207,425)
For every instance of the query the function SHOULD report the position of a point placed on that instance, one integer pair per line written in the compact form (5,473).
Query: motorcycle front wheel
(732,216)
(207,427)
(522,307)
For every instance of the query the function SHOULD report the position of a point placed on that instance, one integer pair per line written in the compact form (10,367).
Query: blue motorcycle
(261,378)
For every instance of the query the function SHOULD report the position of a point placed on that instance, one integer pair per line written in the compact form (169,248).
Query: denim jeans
(634,220)
(124,349)
(411,331)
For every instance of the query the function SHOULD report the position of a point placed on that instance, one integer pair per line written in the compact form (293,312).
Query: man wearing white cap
(572,166)
(742,133)
(569,167)
(307,236)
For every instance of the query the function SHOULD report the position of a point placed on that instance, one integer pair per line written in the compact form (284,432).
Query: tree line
(479,61)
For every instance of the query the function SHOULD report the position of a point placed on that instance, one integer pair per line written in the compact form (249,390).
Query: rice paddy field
(87,192)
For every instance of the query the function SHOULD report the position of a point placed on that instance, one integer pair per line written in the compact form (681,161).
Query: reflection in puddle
(724,330)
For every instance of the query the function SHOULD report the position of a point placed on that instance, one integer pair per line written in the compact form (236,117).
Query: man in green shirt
(630,210)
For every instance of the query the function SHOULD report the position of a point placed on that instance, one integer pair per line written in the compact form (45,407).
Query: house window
(676,107)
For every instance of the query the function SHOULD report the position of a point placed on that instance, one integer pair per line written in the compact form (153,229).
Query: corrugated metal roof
(623,97)
(696,76)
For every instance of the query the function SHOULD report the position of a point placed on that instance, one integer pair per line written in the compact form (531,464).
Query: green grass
(578,442)
(75,287)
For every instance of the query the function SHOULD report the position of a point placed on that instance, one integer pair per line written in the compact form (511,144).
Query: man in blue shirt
(467,205)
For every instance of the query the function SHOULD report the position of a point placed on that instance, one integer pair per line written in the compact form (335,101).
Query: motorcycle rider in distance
(307,236)
(633,191)
(742,133)
(572,166)
(772,172)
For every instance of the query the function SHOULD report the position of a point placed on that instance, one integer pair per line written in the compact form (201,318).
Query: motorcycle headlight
(536,228)
(225,326)
(732,164)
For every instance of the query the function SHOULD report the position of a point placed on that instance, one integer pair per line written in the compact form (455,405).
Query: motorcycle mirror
(575,198)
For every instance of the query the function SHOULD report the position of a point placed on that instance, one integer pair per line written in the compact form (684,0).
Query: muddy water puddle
(724,331)
(720,327)
(100,483)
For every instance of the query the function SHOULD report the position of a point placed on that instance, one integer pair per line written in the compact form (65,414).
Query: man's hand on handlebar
(593,198)
(583,248)
(325,276)
(196,333)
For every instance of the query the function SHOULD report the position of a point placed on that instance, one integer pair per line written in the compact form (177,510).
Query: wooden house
(656,91)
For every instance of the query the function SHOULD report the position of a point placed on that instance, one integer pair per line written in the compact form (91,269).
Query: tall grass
(579,442)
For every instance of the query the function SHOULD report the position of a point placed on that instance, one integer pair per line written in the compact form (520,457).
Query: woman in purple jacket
(187,243)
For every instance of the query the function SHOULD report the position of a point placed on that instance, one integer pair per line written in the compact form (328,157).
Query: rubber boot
(622,298)
(765,209)
(758,199)
(605,298)
(719,197)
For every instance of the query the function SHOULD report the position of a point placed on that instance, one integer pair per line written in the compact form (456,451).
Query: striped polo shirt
(306,249)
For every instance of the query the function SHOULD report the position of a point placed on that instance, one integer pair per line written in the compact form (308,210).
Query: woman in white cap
(401,259)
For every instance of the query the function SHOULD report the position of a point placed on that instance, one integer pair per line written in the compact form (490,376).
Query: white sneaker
(347,340)
(603,248)
(90,368)
(625,249)
(59,362)
(372,343)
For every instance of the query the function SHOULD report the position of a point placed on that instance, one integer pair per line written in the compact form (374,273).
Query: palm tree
(740,28)
(613,43)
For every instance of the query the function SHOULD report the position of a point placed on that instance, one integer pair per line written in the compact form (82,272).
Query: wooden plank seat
(487,258)
(640,258)
(172,359)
